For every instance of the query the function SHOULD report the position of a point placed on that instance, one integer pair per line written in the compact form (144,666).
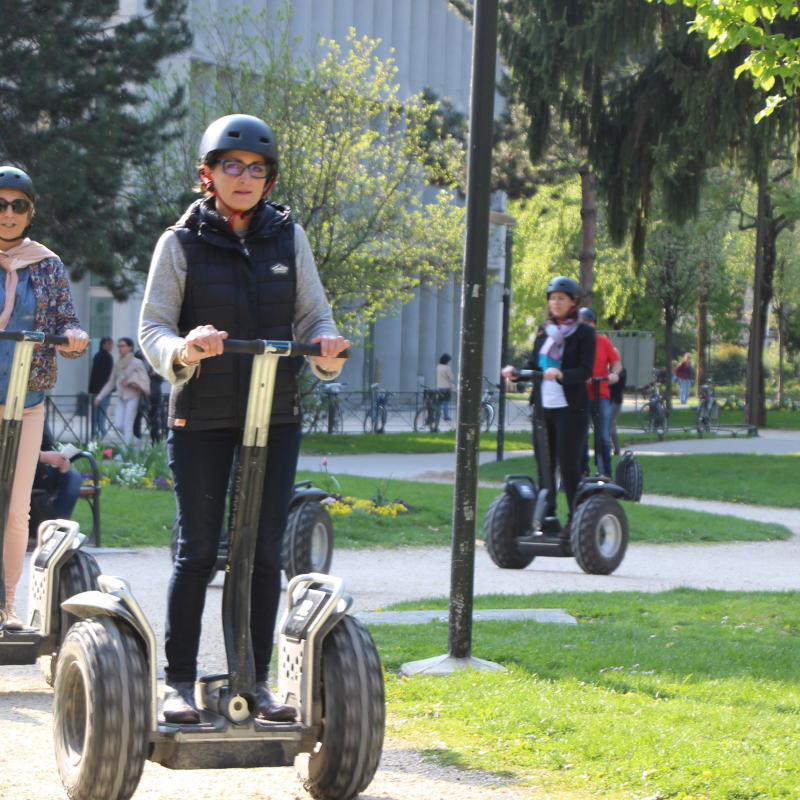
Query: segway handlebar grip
(257,347)
(33,336)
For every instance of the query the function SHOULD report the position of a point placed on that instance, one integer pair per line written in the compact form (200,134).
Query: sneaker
(179,707)
(14,623)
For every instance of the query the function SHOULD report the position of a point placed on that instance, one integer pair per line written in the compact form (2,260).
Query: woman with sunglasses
(131,381)
(34,296)
(234,265)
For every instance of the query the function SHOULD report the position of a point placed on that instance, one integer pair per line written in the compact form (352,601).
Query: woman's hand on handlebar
(509,372)
(331,347)
(78,341)
(205,341)
(553,374)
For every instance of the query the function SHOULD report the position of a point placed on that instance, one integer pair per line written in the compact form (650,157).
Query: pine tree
(74,115)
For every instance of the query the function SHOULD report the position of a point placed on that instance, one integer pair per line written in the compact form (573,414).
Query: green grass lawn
(143,518)
(683,694)
(443,442)
(749,478)
(684,417)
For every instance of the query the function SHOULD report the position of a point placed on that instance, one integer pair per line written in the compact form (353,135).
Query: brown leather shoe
(269,707)
(179,707)
(565,532)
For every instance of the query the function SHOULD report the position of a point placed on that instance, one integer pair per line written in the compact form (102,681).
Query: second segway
(520,523)
(106,706)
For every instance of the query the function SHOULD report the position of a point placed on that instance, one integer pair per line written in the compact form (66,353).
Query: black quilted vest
(247,289)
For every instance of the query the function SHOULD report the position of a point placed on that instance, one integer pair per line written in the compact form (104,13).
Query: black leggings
(566,432)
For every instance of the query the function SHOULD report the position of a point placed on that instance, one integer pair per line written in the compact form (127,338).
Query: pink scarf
(21,255)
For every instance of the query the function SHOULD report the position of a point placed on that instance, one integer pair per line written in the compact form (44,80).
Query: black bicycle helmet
(13,178)
(587,315)
(564,284)
(240,132)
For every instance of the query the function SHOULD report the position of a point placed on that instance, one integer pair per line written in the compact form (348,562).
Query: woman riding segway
(234,265)
(563,351)
(35,296)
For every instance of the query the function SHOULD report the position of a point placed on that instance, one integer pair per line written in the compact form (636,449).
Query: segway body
(58,566)
(328,665)
(520,523)
(629,476)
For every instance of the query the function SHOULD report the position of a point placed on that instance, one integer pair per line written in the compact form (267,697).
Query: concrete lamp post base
(447,665)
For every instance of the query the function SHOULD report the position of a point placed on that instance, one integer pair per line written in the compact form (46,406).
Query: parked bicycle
(487,409)
(708,412)
(328,413)
(375,421)
(654,415)
(428,416)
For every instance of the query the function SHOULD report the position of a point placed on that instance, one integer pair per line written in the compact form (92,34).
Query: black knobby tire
(79,574)
(599,535)
(487,416)
(499,535)
(100,710)
(308,541)
(354,715)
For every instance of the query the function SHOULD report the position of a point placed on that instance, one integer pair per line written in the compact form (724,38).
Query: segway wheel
(599,535)
(100,710)
(630,477)
(308,543)
(354,714)
(78,575)
(499,535)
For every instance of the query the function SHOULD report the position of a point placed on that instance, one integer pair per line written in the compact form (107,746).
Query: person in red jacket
(607,364)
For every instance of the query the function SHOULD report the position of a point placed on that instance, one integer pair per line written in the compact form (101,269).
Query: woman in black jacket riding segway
(564,351)
(234,265)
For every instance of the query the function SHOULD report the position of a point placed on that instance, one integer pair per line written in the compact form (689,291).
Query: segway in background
(307,540)
(519,526)
(59,568)
(106,708)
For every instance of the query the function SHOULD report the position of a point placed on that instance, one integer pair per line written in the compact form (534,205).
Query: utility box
(637,349)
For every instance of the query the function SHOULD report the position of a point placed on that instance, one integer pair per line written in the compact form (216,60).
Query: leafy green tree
(73,115)
(352,156)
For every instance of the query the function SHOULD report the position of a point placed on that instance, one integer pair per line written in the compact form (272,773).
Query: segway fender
(307,495)
(590,489)
(99,604)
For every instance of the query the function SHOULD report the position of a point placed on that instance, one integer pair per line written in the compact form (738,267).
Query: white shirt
(553,395)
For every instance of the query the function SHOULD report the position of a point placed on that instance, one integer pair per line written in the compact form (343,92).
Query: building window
(101,318)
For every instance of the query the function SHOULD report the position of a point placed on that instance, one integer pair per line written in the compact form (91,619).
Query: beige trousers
(16,542)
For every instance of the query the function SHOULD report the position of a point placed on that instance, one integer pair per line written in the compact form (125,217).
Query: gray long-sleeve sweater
(163,298)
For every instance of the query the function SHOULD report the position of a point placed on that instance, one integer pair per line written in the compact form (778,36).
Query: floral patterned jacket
(55,313)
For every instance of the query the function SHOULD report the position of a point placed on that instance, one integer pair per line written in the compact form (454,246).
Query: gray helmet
(566,285)
(587,315)
(240,132)
(13,178)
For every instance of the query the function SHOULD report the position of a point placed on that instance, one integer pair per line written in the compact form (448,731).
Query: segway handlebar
(257,347)
(33,336)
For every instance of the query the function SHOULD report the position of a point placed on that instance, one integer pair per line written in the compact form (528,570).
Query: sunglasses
(258,169)
(17,206)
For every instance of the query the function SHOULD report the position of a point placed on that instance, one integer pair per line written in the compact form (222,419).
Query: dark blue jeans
(605,437)
(67,486)
(201,464)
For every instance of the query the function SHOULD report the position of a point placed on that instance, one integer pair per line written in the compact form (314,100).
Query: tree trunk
(753,395)
(669,320)
(702,330)
(780,354)
(588,228)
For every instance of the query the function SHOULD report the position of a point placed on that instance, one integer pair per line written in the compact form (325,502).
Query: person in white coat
(131,380)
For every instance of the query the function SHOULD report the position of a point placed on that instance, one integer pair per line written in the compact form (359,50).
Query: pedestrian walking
(131,381)
(102,367)
(684,372)
(445,384)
